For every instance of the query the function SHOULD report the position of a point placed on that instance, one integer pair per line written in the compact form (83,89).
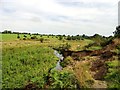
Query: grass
(8,37)
(82,73)
(94,48)
(26,61)
(22,65)
(113,75)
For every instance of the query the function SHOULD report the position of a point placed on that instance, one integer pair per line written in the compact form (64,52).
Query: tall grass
(22,65)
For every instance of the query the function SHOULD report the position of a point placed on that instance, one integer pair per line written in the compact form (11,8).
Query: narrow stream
(58,66)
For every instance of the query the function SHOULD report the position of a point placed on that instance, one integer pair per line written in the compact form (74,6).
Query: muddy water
(58,66)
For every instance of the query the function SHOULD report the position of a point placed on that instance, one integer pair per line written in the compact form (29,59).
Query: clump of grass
(113,75)
(67,61)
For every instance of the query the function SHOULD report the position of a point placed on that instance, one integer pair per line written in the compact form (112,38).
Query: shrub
(41,40)
(113,75)
(63,80)
(18,36)
(117,32)
(33,37)
(67,61)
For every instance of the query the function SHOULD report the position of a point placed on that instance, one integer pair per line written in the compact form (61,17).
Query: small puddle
(58,66)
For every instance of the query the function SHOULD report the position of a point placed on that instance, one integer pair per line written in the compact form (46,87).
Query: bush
(63,80)
(117,32)
(67,61)
(113,75)
(24,38)
(41,40)
(60,37)
(63,47)
(18,36)
(33,37)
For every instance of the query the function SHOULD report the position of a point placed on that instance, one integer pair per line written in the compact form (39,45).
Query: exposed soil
(98,67)
(31,86)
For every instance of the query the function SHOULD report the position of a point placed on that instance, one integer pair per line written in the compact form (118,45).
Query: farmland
(28,61)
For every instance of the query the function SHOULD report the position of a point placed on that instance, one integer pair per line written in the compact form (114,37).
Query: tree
(117,31)
(25,36)
(60,37)
(6,31)
(68,37)
(18,36)
(41,40)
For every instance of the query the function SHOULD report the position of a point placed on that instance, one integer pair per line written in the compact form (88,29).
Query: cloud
(59,16)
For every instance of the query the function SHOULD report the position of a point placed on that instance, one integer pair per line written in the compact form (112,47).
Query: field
(30,63)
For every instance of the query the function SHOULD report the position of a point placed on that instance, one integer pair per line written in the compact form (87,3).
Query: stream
(58,66)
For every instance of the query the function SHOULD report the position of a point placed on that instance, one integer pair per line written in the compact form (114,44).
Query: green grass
(26,61)
(24,64)
(113,75)
(12,37)
(95,48)
(8,37)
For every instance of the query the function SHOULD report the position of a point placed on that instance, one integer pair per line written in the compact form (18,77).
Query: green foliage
(60,37)
(113,75)
(117,32)
(62,47)
(66,46)
(18,36)
(7,31)
(77,37)
(24,64)
(33,37)
(67,61)
(41,40)
(69,37)
(99,40)
(93,46)
(63,79)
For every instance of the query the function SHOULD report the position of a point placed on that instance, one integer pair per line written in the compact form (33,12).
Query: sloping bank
(94,69)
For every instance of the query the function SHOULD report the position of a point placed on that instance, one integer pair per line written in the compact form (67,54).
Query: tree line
(67,37)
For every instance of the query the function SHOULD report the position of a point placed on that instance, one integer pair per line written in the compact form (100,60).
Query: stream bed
(58,66)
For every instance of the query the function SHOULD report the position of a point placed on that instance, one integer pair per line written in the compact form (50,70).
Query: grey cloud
(84,4)
(57,18)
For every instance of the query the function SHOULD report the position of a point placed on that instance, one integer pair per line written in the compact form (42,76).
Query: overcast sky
(60,16)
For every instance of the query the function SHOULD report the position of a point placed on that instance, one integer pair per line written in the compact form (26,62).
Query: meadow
(30,62)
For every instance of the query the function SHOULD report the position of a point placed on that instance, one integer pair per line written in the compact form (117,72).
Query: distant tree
(41,40)
(64,35)
(18,36)
(25,36)
(117,31)
(48,36)
(60,37)
(68,37)
(16,32)
(56,36)
(6,31)
(41,35)
(33,37)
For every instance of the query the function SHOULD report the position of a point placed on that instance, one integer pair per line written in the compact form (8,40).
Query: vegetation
(41,40)
(21,67)
(63,79)
(117,32)
(113,75)
(29,60)
(67,61)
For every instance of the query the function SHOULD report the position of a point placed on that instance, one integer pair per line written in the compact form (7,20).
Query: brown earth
(98,67)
